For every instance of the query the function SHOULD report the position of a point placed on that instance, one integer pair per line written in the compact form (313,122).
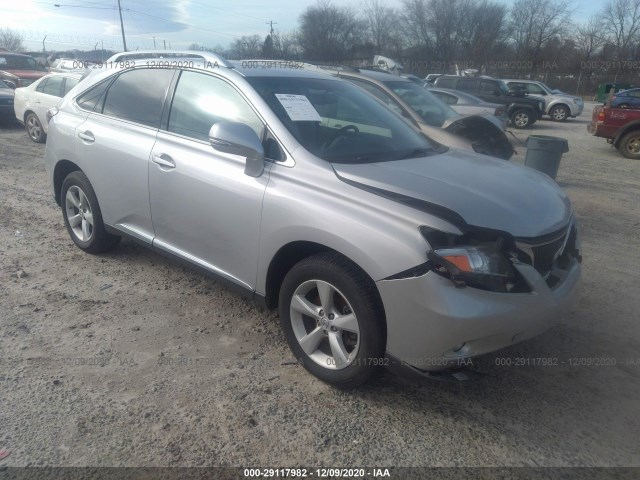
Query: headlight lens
(481,267)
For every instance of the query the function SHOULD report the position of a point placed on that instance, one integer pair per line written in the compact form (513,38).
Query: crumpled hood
(482,191)
(478,133)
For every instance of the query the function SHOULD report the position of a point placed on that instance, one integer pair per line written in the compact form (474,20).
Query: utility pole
(44,51)
(154,43)
(165,44)
(124,42)
(271,23)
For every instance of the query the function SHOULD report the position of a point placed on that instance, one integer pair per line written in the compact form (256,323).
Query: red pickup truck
(620,126)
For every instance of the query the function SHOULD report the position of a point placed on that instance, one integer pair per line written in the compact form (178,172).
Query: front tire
(333,320)
(34,128)
(559,113)
(83,217)
(630,145)
(522,118)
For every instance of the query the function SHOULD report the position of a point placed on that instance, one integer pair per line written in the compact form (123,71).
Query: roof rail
(140,54)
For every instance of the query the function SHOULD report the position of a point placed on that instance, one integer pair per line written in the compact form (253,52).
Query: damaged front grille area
(551,254)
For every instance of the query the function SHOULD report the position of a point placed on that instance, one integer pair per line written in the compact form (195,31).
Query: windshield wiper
(417,152)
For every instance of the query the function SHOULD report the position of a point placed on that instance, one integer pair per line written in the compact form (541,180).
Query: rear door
(205,208)
(114,145)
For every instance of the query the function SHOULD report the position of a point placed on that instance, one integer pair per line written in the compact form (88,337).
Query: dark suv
(523,111)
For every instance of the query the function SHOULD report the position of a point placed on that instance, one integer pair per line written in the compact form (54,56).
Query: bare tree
(482,32)
(590,37)
(247,46)
(535,23)
(382,27)
(621,21)
(285,46)
(11,39)
(416,21)
(328,32)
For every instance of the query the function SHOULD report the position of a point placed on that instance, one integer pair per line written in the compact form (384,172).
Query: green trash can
(544,153)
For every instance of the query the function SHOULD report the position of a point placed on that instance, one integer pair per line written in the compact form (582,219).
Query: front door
(204,208)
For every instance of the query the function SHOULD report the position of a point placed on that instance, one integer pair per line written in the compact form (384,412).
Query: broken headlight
(478,261)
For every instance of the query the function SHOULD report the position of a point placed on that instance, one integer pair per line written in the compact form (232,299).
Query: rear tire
(82,215)
(630,145)
(34,128)
(333,320)
(522,118)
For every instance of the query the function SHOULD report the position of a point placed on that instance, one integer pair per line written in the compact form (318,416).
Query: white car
(31,103)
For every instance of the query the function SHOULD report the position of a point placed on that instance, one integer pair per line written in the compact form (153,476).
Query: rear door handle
(164,160)
(87,136)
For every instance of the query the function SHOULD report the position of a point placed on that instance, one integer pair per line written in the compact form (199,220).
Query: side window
(138,95)
(53,86)
(69,83)
(93,98)
(446,82)
(201,100)
(534,89)
(41,85)
(488,88)
(467,85)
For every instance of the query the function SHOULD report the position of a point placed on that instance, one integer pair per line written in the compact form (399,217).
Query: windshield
(432,110)
(17,62)
(339,122)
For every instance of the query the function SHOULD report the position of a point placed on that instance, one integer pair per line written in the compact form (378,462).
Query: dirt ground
(128,359)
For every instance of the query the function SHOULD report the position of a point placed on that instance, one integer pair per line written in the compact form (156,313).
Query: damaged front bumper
(432,325)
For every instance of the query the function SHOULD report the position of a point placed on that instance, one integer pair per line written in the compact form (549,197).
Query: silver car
(559,106)
(377,246)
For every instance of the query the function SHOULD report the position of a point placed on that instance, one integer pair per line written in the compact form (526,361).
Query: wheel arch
(290,254)
(559,103)
(635,125)
(60,172)
(26,114)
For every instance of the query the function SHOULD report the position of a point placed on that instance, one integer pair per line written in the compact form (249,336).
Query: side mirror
(10,84)
(239,139)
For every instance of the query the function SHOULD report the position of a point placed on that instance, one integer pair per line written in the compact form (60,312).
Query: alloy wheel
(34,128)
(324,324)
(79,213)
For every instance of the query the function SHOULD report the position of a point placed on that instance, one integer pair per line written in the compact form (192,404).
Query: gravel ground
(128,359)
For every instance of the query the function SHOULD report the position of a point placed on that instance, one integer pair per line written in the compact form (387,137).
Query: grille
(544,256)
(543,252)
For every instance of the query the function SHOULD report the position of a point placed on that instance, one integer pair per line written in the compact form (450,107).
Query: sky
(89,24)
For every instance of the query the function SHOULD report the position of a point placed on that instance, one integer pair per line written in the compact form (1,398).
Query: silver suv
(377,246)
(559,106)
